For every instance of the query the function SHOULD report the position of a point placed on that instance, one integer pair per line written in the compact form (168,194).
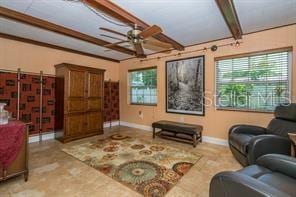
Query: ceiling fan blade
(104,35)
(150,31)
(126,46)
(116,43)
(158,44)
(139,50)
(155,48)
(112,31)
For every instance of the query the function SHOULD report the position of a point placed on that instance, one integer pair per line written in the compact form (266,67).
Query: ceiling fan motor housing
(133,35)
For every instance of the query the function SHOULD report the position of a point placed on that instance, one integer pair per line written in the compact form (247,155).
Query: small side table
(19,165)
(293,139)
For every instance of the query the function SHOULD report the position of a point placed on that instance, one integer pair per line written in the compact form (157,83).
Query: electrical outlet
(141,115)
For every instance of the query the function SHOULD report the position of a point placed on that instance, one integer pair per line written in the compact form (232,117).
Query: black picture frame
(201,87)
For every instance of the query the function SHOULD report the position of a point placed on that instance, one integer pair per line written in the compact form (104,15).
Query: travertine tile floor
(54,173)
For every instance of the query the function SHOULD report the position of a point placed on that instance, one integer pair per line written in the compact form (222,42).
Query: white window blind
(143,86)
(255,83)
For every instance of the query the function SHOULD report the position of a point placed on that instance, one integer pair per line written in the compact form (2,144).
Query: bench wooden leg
(26,175)
(194,140)
(153,135)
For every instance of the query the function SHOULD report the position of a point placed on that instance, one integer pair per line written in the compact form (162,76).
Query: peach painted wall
(33,58)
(216,123)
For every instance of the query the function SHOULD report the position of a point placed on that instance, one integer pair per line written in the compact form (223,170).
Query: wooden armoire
(79,102)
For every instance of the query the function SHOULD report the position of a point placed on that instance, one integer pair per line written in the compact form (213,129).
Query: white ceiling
(33,33)
(256,15)
(187,21)
(73,15)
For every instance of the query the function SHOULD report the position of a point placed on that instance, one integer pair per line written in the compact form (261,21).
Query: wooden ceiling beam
(20,17)
(43,44)
(122,15)
(229,14)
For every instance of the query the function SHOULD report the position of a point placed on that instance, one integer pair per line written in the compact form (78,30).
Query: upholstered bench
(183,132)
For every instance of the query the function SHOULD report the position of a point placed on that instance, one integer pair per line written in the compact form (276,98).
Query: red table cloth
(11,139)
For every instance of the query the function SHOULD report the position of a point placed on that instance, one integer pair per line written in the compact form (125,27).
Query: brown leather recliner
(248,142)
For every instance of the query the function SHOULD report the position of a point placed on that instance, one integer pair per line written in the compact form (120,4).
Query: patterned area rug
(148,168)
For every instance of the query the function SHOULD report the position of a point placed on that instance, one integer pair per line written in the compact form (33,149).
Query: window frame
(130,87)
(242,55)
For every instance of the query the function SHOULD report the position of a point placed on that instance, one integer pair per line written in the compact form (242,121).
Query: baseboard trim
(50,135)
(137,126)
(214,140)
(113,123)
(45,136)
(207,139)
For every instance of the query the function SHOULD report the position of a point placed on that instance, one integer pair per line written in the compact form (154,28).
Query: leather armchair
(248,142)
(273,175)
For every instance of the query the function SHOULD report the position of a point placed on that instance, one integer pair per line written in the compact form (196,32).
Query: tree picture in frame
(185,86)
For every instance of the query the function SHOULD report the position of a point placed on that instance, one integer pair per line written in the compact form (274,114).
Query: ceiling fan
(139,39)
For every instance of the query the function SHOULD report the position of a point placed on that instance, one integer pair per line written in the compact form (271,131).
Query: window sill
(144,104)
(244,110)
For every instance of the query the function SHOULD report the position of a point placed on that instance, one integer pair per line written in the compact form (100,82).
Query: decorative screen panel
(111,101)
(30,101)
(8,91)
(48,103)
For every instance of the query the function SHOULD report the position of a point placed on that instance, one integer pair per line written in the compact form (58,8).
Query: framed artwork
(185,86)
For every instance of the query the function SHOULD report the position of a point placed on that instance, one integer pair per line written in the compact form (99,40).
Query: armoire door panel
(74,105)
(94,104)
(75,124)
(95,85)
(94,121)
(76,83)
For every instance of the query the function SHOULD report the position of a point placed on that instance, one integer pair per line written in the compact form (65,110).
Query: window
(256,82)
(143,86)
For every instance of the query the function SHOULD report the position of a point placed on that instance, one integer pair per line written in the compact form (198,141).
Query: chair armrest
(247,129)
(229,184)
(279,163)
(267,144)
